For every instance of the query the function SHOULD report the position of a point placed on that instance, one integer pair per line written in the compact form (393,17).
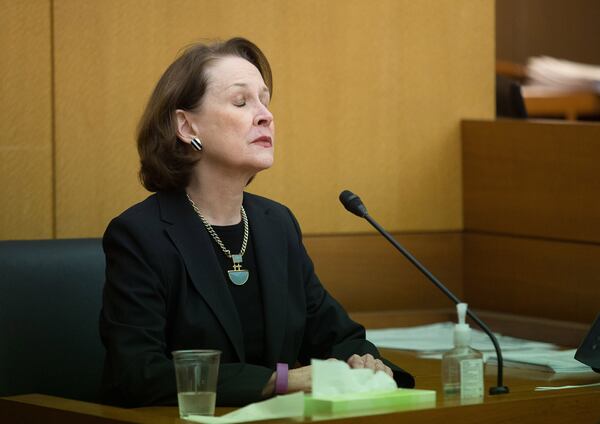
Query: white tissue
(330,378)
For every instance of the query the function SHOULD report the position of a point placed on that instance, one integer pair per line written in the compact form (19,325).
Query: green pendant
(237,275)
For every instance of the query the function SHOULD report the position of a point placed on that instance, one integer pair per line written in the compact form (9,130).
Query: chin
(264,165)
(264,161)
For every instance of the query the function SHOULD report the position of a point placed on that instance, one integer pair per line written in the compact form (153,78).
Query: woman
(202,264)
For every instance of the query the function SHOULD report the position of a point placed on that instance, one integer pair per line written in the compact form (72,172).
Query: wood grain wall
(538,179)
(365,273)
(26,150)
(532,218)
(368,96)
(532,277)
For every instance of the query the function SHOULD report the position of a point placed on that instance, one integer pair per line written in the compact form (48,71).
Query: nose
(263,116)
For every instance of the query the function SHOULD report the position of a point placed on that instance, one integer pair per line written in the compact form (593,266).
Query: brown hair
(166,163)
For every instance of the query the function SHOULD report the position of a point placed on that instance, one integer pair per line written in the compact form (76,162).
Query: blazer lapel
(270,247)
(194,244)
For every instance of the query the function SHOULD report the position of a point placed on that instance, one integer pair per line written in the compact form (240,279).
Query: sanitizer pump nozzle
(462,331)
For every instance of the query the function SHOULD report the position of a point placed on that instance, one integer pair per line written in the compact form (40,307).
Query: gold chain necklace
(237,275)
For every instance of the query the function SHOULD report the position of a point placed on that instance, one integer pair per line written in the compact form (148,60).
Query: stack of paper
(557,361)
(435,339)
(432,340)
(547,73)
(397,400)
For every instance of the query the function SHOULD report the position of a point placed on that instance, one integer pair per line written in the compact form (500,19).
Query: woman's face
(233,120)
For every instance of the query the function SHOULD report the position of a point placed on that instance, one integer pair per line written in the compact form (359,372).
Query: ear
(185,130)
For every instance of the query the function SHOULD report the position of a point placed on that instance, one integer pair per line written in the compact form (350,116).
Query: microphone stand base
(499,390)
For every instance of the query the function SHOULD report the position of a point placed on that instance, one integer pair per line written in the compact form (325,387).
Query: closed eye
(265,99)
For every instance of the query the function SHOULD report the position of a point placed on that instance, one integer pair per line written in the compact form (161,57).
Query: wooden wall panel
(26,120)
(536,179)
(531,28)
(368,96)
(366,273)
(538,278)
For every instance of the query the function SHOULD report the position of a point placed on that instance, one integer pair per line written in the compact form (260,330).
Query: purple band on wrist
(281,379)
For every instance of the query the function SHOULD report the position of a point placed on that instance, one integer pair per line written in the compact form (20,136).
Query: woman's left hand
(368,361)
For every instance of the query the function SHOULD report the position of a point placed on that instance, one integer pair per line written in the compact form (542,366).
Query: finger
(379,365)
(389,371)
(355,361)
(369,361)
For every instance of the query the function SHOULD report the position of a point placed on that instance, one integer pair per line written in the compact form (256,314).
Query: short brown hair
(166,163)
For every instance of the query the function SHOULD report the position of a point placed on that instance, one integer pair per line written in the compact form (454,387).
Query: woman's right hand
(300,379)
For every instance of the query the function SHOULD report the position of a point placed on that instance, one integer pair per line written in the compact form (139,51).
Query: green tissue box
(393,400)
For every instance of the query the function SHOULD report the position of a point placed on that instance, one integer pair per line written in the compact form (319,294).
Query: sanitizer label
(471,378)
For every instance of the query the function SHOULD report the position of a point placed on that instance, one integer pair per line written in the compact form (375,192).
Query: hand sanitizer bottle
(462,367)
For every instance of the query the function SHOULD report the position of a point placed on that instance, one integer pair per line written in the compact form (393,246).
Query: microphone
(353,204)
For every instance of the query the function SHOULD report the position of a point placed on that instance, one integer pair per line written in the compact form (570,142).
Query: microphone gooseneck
(353,204)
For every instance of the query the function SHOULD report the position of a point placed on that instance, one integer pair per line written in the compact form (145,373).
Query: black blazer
(165,291)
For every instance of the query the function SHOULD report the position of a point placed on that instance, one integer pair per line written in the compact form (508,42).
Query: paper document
(432,340)
(545,389)
(557,361)
(437,338)
(284,406)
(549,72)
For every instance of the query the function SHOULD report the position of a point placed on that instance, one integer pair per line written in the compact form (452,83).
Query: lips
(264,141)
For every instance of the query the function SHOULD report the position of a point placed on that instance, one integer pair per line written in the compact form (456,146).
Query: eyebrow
(264,89)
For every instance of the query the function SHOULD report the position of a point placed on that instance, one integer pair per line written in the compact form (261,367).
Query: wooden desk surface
(568,105)
(522,405)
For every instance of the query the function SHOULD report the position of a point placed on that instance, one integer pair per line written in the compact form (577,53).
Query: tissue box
(389,400)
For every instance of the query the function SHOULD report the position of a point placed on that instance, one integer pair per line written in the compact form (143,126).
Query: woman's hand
(368,361)
(300,379)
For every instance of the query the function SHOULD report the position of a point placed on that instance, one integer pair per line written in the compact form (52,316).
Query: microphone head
(353,203)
